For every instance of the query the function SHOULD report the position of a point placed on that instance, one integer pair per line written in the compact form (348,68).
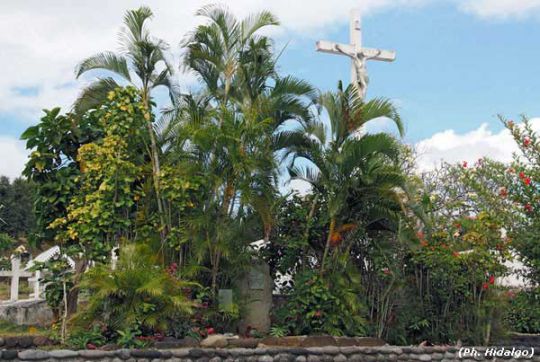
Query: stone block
(369,342)
(25,341)
(214,341)
(244,342)
(33,355)
(93,354)
(27,313)
(345,341)
(9,355)
(147,354)
(292,341)
(63,353)
(318,341)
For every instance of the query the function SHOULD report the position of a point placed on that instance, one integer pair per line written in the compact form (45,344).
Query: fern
(139,292)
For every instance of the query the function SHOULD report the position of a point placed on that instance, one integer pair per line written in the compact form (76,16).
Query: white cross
(15,274)
(358,55)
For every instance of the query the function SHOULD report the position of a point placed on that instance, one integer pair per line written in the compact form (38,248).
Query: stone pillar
(36,278)
(255,289)
(15,273)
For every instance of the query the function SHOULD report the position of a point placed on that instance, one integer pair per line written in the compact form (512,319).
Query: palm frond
(255,22)
(377,108)
(106,61)
(94,95)
(134,21)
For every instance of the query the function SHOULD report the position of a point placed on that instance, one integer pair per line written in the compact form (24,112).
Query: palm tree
(141,62)
(227,51)
(230,130)
(355,172)
(138,291)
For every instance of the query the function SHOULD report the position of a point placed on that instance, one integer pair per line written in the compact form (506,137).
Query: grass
(24,289)
(8,329)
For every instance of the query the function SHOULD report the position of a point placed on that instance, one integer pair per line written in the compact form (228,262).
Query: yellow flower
(72,234)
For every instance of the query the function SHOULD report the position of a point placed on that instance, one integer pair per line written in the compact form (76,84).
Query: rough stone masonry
(293,354)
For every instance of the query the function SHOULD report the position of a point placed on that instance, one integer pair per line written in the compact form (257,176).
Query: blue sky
(453,70)
(459,62)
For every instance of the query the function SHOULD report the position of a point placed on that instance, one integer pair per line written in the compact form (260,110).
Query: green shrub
(321,306)
(139,294)
(81,338)
(128,339)
(524,312)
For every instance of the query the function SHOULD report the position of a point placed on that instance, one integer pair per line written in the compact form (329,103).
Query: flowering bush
(524,311)
(321,306)
(454,270)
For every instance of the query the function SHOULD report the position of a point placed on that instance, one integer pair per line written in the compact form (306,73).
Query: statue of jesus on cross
(359,56)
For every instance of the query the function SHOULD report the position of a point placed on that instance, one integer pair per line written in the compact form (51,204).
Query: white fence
(17,272)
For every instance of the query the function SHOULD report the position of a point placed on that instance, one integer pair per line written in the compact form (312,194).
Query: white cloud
(452,147)
(42,41)
(12,157)
(501,9)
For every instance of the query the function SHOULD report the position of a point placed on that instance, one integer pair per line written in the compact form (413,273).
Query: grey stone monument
(225,299)
(255,289)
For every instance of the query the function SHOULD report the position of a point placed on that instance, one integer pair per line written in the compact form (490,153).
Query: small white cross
(358,55)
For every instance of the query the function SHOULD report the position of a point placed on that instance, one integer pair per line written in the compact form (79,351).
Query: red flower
(503,192)
(526,141)
(485,286)
(491,279)
(420,235)
(464,164)
(336,239)
(527,181)
(528,207)
(522,175)
(210,330)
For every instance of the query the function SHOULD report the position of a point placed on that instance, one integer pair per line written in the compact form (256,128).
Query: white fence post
(15,273)
(35,280)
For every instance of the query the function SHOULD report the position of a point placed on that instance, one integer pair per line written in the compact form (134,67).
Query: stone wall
(27,313)
(315,354)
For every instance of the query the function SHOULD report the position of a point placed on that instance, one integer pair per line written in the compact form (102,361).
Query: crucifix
(359,56)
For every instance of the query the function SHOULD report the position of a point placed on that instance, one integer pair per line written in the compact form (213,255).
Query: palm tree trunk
(228,195)
(215,270)
(327,246)
(309,223)
(310,217)
(156,169)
